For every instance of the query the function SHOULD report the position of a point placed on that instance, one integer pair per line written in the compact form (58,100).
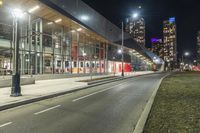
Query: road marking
(6,124)
(77,99)
(37,113)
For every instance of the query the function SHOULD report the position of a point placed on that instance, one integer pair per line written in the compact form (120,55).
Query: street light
(185,54)
(119,51)
(135,15)
(16,88)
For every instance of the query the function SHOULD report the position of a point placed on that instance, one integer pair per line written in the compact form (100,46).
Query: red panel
(127,67)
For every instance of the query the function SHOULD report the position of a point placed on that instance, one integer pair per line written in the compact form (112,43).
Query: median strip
(37,113)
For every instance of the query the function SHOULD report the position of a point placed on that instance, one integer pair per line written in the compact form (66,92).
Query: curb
(144,116)
(37,99)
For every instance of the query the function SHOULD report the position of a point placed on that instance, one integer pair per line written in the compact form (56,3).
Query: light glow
(17,13)
(119,51)
(84,54)
(79,29)
(58,20)
(49,23)
(1,2)
(186,53)
(84,17)
(135,15)
(73,31)
(33,9)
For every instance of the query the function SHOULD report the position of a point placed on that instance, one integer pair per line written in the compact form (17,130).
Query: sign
(172,19)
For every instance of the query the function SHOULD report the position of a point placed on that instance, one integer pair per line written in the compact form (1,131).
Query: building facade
(157,47)
(170,42)
(53,41)
(136,28)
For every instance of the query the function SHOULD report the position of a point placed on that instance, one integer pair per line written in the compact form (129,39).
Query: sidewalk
(48,87)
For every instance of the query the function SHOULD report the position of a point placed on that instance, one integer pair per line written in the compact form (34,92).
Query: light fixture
(58,20)
(84,54)
(49,23)
(119,51)
(17,13)
(186,53)
(79,29)
(33,9)
(84,17)
(135,15)
(73,31)
(1,2)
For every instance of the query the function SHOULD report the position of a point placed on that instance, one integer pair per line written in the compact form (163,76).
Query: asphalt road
(109,108)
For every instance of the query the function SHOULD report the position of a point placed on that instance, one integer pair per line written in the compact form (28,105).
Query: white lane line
(77,99)
(37,113)
(6,124)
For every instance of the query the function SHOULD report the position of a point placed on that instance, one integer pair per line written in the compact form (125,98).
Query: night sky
(187,13)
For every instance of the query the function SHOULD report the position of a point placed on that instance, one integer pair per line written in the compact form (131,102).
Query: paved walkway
(48,87)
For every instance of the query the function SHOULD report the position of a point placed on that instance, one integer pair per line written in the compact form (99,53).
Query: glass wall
(49,48)
(52,48)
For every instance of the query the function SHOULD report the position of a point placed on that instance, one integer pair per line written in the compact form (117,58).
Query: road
(110,108)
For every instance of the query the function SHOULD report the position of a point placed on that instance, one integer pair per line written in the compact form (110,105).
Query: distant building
(149,49)
(136,28)
(198,47)
(170,42)
(157,47)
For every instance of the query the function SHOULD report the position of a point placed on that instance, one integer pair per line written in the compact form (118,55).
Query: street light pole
(16,88)
(122,48)
(135,15)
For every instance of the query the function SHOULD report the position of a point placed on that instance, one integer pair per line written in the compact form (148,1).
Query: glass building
(136,28)
(61,37)
(157,47)
(170,42)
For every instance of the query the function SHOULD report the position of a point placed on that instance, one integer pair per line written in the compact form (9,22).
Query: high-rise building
(157,47)
(170,42)
(136,28)
(198,47)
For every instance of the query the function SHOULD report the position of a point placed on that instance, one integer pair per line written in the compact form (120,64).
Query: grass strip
(176,108)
